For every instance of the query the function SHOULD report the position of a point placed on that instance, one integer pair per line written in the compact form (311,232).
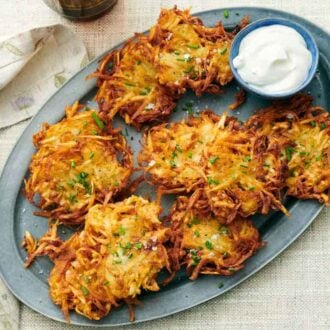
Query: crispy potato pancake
(119,253)
(142,80)
(79,161)
(303,130)
(191,55)
(233,169)
(128,85)
(207,247)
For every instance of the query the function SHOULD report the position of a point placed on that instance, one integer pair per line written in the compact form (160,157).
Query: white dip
(273,59)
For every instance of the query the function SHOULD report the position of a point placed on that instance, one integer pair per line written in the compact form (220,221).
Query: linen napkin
(33,65)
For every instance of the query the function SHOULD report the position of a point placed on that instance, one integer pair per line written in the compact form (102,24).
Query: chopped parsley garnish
(73,164)
(247,159)
(81,178)
(116,184)
(84,291)
(231,269)
(243,165)
(194,221)
(118,261)
(189,108)
(73,199)
(97,120)
(220,285)
(323,126)
(288,153)
(138,62)
(121,230)
(193,46)
(85,108)
(138,245)
(188,70)
(313,124)
(252,188)
(226,14)
(223,51)
(178,148)
(209,245)
(318,157)
(145,91)
(213,159)
(196,233)
(212,181)
(176,52)
(91,155)
(266,165)
(87,279)
(130,84)
(106,283)
(190,154)
(196,259)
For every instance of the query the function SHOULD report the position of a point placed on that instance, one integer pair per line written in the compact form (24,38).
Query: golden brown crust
(128,85)
(303,131)
(76,165)
(120,252)
(191,55)
(205,246)
(231,170)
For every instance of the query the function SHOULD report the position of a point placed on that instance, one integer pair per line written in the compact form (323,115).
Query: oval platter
(30,286)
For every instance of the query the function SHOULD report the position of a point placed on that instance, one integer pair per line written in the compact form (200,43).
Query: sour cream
(273,59)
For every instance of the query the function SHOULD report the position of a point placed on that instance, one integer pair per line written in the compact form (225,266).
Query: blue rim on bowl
(311,46)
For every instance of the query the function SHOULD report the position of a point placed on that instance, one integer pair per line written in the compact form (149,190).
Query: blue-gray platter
(30,286)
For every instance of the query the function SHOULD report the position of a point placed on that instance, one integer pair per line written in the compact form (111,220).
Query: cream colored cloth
(33,65)
(293,291)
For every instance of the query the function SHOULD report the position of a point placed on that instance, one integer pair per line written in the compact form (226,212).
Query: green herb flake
(313,124)
(188,70)
(84,291)
(106,283)
(81,178)
(223,51)
(288,152)
(85,108)
(73,164)
(252,188)
(220,285)
(226,254)
(145,91)
(193,46)
(189,108)
(212,181)
(226,14)
(130,84)
(178,148)
(209,245)
(87,279)
(138,62)
(73,199)
(231,269)
(91,155)
(196,233)
(138,245)
(121,230)
(97,120)
(318,158)
(190,154)
(323,126)
(176,52)
(213,159)
(243,165)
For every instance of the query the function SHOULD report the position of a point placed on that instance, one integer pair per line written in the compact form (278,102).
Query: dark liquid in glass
(81,9)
